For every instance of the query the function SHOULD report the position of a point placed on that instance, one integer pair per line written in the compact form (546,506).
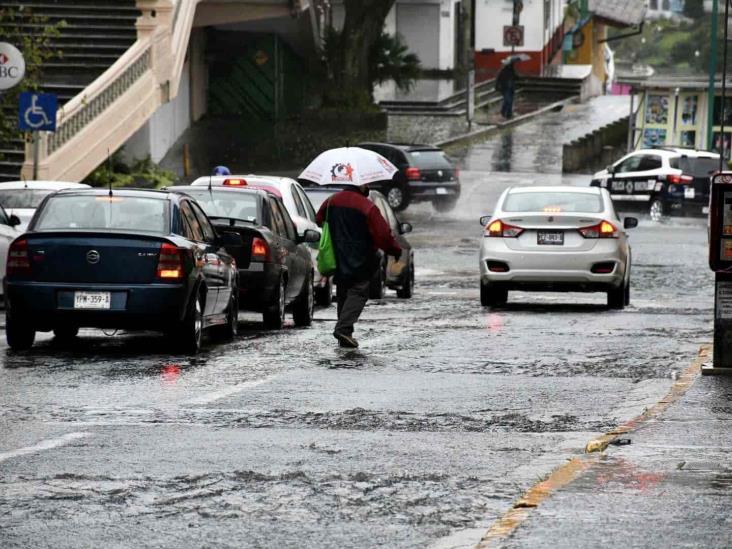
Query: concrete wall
(164,127)
(427,26)
(542,22)
(596,150)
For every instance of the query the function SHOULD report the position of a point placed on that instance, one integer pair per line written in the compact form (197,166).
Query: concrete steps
(93,36)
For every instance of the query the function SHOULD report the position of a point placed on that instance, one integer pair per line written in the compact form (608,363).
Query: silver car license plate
(92,300)
(550,238)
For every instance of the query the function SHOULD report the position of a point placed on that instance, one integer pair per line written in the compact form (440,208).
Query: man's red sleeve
(381,233)
(320,216)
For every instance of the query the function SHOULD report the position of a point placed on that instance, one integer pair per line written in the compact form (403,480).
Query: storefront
(675,112)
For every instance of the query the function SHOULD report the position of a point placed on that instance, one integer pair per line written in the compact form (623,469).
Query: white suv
(662,180)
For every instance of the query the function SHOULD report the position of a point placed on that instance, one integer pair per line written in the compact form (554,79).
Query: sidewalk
(669,488)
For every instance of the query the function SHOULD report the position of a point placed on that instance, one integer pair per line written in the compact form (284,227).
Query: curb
(487,130)
(565,474)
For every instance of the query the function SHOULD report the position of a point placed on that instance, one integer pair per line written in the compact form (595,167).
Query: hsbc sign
(12,66)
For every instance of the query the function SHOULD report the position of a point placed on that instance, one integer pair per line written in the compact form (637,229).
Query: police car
(663,180)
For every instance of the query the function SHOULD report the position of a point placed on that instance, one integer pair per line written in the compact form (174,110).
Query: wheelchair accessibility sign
(37,112)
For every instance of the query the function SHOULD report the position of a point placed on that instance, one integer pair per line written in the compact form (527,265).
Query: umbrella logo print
(341,172)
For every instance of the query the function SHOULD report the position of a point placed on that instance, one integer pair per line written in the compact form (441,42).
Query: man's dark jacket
(358,230)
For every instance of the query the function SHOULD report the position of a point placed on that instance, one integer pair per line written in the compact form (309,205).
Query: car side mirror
(484,220)
(13,220)
(230,239)
(309,236)
(611,169)
(630,223)
(405,228)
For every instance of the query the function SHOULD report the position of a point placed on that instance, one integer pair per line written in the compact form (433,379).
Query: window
(553,202)
(102,212)
(290,231)
(4,220)
(194,229)
(306,202)
(298,202)
(228,204)
(430,160)
(278,224)
(208,231)
(650,162)
(630,164)
(23,198)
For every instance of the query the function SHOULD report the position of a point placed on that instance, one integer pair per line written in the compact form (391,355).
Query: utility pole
(712,75)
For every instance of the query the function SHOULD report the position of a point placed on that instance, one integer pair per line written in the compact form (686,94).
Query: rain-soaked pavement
(423,437)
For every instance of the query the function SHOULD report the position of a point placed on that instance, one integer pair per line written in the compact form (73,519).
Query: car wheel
(65,333)
(397,197)
(445,205)
(657,210)
(492,297)
(377,288)
(324,295)
(627,287)
(189,336)
(274,314)
(19,332)
(616,298)
(228,331)
(302,312)
(407,289)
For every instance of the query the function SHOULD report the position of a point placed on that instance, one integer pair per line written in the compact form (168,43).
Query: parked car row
(182,261)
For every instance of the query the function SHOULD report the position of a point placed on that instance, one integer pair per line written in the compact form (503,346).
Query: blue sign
(37,112)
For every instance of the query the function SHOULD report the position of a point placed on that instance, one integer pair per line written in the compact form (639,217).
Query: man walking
(357,230)
(506,84)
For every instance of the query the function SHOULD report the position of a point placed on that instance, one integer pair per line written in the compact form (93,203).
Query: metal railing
(72,125)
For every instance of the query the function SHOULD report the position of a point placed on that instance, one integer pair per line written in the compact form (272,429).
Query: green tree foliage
(694,9)
(388,59)
(670,46)
(351,64)
(36,47)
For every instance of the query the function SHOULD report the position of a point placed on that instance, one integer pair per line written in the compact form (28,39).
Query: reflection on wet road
(444,416)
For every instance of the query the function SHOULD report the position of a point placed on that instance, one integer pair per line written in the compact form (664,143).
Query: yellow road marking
(565,474)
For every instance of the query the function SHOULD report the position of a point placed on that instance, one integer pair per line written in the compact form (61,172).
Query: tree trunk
(363,24)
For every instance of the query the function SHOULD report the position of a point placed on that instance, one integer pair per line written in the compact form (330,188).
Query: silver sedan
(556,238)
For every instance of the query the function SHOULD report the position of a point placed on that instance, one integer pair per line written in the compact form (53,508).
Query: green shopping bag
(326,251)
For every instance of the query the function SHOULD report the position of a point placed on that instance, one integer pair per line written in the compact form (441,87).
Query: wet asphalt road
(422,437)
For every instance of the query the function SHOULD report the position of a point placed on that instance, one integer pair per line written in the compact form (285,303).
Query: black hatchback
(425,174)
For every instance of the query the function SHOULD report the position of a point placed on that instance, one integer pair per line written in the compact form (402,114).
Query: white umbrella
(348,166)
(515,58)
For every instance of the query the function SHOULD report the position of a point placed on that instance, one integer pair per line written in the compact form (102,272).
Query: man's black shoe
(345,340)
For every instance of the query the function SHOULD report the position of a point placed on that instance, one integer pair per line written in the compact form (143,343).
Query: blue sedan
(127,259)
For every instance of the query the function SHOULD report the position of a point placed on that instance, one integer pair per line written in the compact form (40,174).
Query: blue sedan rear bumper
(139,307)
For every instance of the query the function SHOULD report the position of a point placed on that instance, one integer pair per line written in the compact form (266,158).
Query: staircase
(95,34)
(555,87)
(453,105)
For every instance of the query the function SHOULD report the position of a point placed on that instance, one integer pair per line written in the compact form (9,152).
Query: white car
(555,238)
(298,206)
(8,233)
(21,198)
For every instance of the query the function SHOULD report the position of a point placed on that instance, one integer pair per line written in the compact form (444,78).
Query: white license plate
(688,192)
(92,300)
(441,190)
(551,238)
(705,210)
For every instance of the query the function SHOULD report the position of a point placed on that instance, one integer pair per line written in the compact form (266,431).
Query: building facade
(542,22)
(429,28)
